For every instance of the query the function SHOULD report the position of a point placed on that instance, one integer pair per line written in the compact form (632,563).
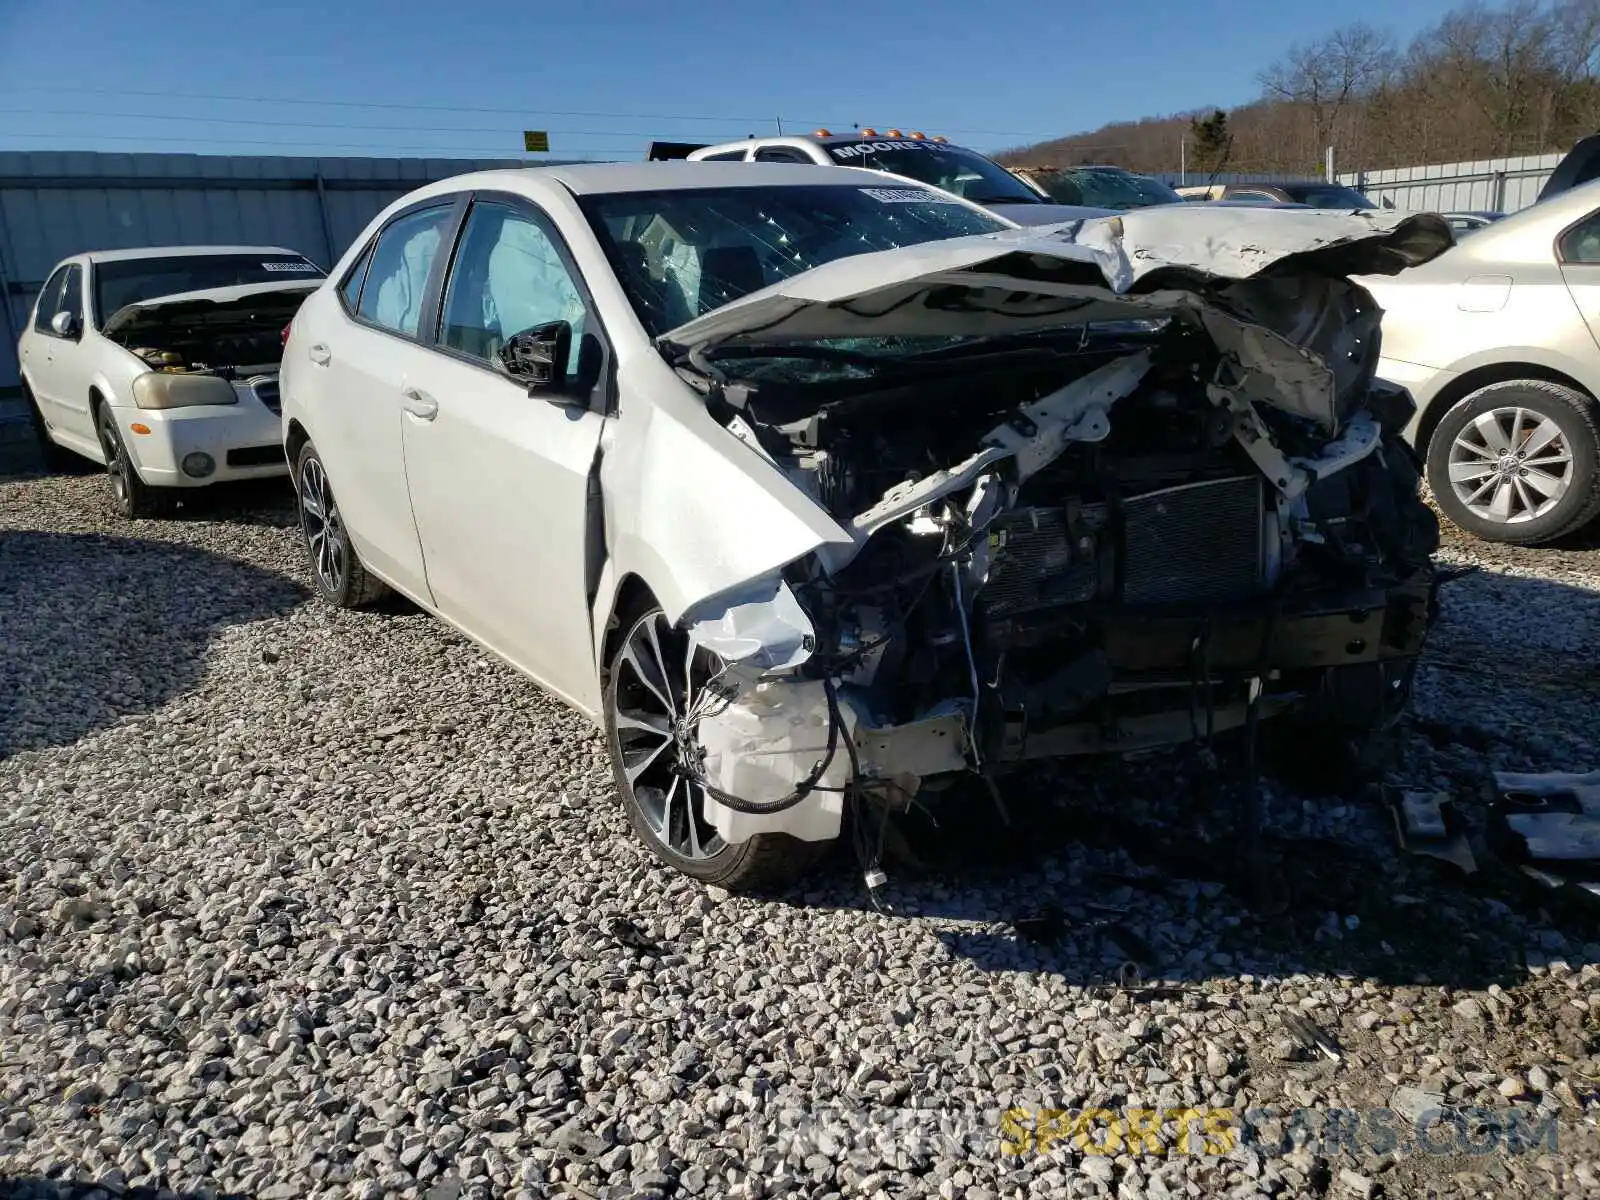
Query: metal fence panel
(1493,185)
(55,203)
(1202,178)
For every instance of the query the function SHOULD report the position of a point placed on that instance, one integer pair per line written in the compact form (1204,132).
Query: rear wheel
(53,457)
(336,568)
(652,702)
(130,495)
(1518,461)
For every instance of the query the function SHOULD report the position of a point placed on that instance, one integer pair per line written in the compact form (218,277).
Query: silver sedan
(1496,339)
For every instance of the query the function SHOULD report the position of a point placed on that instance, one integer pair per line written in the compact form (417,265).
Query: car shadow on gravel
(1180,902)
(33,1187)
(250,502)
(95,628)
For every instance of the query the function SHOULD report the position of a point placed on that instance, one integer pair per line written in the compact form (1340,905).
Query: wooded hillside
(1486,81)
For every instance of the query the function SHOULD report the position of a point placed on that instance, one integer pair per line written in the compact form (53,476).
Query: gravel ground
(299,903)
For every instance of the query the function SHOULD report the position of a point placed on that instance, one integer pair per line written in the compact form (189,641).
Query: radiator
(1035,565)
(1200,543)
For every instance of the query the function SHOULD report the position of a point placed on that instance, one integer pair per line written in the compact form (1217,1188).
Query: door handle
(320,355)
(419,404)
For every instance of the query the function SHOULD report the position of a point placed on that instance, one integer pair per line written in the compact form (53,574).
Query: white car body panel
(356,393)
(492,449)
(484,515)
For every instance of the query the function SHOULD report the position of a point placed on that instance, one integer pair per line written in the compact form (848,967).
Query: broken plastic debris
(631,937)
(1414,1103)
(761,626)
(1311,1037)
(1548,825)
(1425,823)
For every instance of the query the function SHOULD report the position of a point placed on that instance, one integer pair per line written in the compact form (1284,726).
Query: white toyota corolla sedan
(162,363)
(819,492)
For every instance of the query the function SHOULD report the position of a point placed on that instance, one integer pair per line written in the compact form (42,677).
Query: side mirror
(538,356)
(64,324)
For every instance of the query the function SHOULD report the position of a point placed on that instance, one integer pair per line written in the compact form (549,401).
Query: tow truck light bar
(914,135)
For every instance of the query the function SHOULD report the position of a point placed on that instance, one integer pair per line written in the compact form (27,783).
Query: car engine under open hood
(1270,288)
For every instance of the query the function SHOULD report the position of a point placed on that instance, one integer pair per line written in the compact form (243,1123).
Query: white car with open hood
(162,364)
(819,494)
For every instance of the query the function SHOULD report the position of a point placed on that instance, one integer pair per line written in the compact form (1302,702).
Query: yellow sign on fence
(535,140)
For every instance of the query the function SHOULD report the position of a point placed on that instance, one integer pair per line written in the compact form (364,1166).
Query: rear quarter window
(350,289)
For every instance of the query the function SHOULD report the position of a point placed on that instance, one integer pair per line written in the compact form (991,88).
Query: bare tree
(1329,76)
(1505,62)
(1515,77)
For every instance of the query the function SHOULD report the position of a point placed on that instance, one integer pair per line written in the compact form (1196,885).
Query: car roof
(590,179)
(101,256)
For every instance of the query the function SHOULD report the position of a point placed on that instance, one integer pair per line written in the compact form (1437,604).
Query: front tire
(653,684)
(130,496)
(1518,461)
(336,568)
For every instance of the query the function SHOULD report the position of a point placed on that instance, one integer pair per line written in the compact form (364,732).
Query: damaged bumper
(1153,681)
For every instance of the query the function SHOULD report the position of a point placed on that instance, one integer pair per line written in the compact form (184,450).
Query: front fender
(690,509)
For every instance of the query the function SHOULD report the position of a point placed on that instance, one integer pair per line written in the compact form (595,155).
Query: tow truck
(913,156)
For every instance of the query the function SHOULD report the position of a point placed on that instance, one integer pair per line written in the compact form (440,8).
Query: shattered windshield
(679,254)
(1107,189)
(955,169)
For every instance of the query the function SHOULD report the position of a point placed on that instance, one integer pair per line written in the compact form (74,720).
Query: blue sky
(408,78)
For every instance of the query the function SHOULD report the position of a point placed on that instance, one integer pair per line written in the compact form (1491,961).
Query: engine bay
(1088,576)
(233,339)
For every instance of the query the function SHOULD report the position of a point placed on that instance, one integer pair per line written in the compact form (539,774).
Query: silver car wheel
(659,696)
(1510,465)
(324,530)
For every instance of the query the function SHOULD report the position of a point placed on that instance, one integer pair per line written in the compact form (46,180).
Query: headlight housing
(164,389)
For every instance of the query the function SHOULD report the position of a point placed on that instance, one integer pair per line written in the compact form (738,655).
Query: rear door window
(397,279)
(350,289)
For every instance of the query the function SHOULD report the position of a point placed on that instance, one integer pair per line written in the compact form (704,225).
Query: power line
(66,112)
(306,150)
(525,113)
(510,112)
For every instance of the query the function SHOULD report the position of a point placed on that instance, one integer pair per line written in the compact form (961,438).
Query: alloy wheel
(117,465)
(658,699)
(1510,465)
(323,527)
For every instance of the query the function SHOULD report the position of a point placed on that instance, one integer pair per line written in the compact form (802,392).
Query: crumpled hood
(1270,286)
(229,305)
